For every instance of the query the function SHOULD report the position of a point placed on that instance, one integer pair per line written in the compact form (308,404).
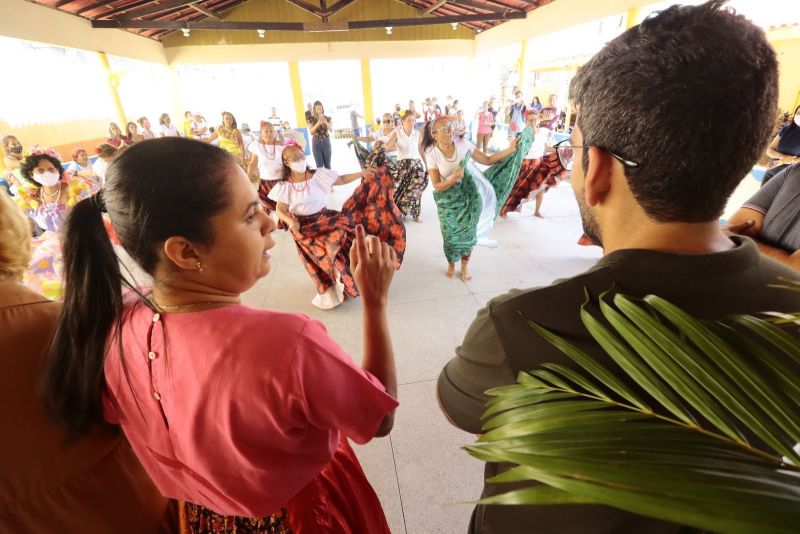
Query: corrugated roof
(185,11)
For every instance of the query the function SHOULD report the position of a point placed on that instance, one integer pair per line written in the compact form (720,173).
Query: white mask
(298,166)
(797,119)
(47,179)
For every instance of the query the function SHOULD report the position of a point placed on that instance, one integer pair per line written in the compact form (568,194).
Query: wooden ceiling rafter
(477,15)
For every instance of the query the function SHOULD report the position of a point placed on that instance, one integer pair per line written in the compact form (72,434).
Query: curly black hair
(32,161)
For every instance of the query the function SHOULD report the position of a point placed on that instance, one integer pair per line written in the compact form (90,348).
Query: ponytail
(73,376)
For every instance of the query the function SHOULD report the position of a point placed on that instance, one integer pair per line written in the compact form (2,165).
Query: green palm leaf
(711,446)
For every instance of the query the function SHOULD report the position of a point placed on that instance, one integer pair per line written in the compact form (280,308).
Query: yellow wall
(318,51)
(550,18)
(282,11)
(787,46)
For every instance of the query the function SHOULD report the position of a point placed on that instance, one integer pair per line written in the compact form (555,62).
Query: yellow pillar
(521,69)
(297,93)
(632,18)
(113,82)
(366,87)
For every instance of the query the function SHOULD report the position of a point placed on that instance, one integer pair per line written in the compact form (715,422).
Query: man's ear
(598,175)
(181,252)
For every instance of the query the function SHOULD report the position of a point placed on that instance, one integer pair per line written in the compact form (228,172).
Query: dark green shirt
(499,344)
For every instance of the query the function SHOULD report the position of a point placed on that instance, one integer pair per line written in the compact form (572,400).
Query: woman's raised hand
(373,264)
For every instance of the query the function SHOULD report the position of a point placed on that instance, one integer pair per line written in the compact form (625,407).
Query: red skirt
(326,237)
(534,175)
(340,500)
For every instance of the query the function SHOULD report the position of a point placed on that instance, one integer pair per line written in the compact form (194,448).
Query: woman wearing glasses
(387,134)
(539,172)
(458,201)
(323,236)
(410,178)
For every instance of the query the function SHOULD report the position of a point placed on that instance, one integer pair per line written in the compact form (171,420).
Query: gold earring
(199,267)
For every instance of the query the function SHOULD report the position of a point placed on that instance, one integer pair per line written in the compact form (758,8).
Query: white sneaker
(328,300)
(488,243)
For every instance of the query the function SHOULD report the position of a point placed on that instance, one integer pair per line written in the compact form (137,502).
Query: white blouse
(385,138)
(169,131)
(305,198)
(407,145)
(270,160)
(435,159)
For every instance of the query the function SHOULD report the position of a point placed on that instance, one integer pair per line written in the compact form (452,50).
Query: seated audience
(81,168)
(115,137)
(772,217)
(51,481)
(133,133)
(652,200)
(147,133)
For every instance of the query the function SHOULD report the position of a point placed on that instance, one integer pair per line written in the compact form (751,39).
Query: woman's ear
(182,253)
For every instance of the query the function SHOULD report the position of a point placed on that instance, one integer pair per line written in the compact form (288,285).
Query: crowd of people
(238,418)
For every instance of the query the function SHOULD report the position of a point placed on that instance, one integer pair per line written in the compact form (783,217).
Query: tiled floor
(422,476)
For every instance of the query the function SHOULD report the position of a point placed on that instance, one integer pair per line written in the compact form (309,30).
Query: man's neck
(677,238)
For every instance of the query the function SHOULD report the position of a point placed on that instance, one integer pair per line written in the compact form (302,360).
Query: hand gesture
(372,264)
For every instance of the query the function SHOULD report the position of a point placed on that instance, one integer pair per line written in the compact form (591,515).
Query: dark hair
(163,117)
(235,126)
(536,100)
(314,107)
(427,135)
(140,194)
(287,171)
(128,127)
(141,120)
(32,161)
(690,95)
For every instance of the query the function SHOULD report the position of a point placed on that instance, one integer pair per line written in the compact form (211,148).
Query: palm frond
(712,445)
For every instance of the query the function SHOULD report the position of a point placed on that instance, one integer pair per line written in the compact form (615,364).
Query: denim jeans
(321,148)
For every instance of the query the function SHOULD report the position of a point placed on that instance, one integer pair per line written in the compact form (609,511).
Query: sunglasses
(387,121)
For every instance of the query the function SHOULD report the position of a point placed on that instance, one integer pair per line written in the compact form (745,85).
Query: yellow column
(366,87)
(632,18)
(297,93)
(113,82)
(521,69)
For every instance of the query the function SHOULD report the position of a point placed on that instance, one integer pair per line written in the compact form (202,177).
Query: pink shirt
(250,406)
(485,122)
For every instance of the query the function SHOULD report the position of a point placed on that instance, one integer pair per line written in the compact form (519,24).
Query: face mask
(16,149)
(47,179)
(298,166)
(797,120)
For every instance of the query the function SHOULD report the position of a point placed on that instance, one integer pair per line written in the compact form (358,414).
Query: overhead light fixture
(186,32)
(388,30)
(479,30)
(261,33)
(454,25)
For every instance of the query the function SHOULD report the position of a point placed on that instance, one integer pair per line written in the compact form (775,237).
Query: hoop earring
(199,267)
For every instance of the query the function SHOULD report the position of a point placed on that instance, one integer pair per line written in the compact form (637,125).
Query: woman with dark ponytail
(240,414)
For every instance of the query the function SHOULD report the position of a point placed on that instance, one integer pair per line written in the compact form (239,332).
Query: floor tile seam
(397,482)
(418,381)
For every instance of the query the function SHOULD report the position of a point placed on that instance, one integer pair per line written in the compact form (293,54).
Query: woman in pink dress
(240,414)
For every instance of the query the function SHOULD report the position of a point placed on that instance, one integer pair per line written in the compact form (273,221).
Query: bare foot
(451,270)
(537,214)
(465,276)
